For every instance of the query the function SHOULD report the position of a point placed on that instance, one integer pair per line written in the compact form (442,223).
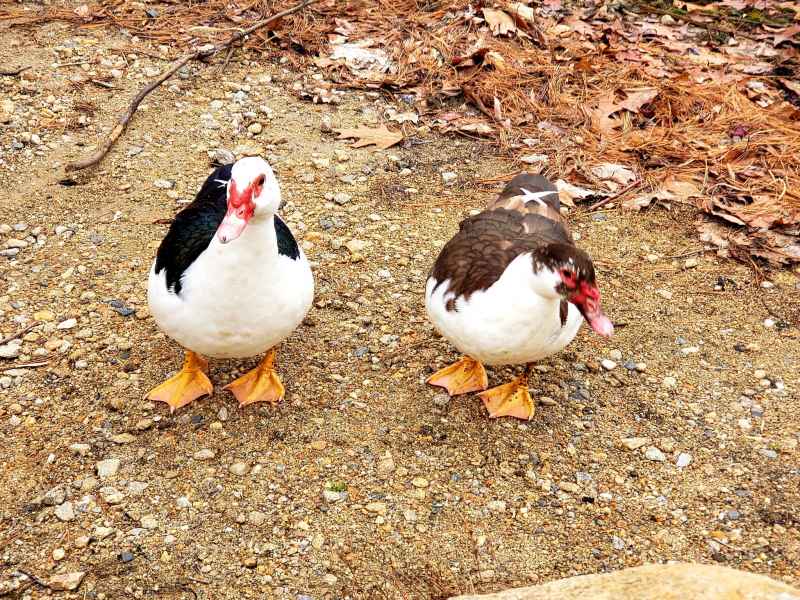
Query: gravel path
(676,439)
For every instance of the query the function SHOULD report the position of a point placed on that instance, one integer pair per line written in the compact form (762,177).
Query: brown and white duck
(511,288)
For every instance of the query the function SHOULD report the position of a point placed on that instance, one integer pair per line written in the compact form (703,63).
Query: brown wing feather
(513,197)
(487,243)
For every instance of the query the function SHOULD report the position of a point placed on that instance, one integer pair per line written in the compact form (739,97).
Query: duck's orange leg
(467,375)
(190,383)
(262,384)
(511,399)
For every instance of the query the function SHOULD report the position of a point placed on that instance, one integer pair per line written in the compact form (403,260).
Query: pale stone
(654,582)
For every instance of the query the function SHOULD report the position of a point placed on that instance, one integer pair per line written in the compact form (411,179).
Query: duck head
(571,277)
(253,193)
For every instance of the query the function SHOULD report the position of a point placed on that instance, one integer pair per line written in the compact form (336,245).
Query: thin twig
(773,313)
(34,579)
(32,365)
(20,333)
(684,255)
(72,64)
(228,56)
(13,72)
(102,84)
(613,197)
(202,53)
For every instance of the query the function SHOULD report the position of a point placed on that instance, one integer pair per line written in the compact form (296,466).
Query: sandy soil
(425,496)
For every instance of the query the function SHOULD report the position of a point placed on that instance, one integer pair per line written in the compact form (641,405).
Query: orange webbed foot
(190,383)
(262,384)
(466,375)
(510,399)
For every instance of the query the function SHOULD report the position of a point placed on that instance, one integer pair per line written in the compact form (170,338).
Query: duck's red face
(583,293)
(241,207)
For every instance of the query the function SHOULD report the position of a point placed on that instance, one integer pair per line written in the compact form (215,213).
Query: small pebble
(65,512)
(635,443)
(377,508)
(240,468)
(149,522)
(256,518)
(107,468)
(654,454)
(448,177)
(204,454)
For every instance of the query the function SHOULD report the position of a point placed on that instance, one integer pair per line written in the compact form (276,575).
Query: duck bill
(594,315)
(231,227)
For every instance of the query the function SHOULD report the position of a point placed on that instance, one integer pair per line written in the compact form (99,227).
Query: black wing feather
(287,245)
(193,228)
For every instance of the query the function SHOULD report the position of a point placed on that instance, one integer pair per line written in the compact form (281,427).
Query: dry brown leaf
(381,137)
(84,12)
(689,7)
(776,248)
(763,212)
(500,22)
(673,190)
(568,193)
(644,200)
(522,11)
(601,115)
(792,85)
(479,128)
(638,98)
(785,35)
(681,190)
(612,173)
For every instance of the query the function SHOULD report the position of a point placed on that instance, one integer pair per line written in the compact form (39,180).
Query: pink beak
(240,209)
(231,227)
(597,320)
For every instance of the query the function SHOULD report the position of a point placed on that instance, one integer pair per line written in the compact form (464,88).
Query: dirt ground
(363,483)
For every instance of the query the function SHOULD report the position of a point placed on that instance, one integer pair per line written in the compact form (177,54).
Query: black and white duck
(229,281)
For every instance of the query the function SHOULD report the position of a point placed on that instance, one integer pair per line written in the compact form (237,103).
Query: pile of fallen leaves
(645,103)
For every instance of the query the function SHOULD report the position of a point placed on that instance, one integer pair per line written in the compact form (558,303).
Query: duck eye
(260,180)
(568,277)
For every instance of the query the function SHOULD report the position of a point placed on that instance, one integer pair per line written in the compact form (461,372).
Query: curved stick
(205,52)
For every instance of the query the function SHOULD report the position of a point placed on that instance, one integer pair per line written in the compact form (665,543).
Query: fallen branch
(685,16)
(34,579)
(13,72)
(20,333)
(613,197)
(203,52)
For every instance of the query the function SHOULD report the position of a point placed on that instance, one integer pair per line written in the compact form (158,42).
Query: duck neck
(257,245)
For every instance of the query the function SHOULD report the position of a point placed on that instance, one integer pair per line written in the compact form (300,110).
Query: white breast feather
(508,323)
(237,299)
